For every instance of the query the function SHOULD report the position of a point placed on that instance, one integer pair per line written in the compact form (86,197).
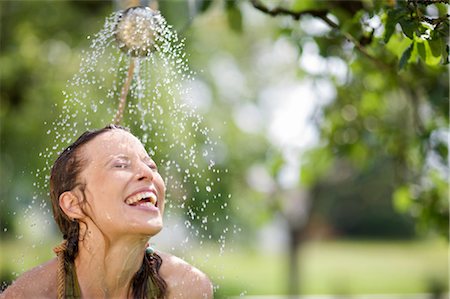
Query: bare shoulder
(39,282)
(184,280)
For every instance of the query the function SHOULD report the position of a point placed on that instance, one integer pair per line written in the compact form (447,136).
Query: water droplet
(157,106)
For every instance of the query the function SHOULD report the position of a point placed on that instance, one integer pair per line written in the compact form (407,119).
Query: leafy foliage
(391,103)
(383,136)
(396,53)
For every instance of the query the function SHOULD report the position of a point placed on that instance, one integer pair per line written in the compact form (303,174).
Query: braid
(72,238)
(148,276)
(60,272)
(66,253)
(154,262)
(147,283)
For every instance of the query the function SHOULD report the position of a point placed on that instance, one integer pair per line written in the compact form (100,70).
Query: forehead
(112,143)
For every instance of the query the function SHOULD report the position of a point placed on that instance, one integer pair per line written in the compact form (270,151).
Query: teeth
(137,197)
(153,199)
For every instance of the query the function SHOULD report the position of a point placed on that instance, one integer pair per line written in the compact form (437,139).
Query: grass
(338,267)
(334,267)
(374,267)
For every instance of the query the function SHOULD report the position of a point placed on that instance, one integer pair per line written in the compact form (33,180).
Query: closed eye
(121,165)
(153,166)
(150,163)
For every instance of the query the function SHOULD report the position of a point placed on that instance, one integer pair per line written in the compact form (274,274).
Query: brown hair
(64,177)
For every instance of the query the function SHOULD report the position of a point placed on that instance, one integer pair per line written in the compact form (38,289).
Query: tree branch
(422,18)
(429,2)
(435,21)
(321,14)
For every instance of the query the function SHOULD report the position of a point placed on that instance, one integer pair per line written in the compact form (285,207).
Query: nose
(144,172)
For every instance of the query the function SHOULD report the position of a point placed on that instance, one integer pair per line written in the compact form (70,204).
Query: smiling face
(124,193)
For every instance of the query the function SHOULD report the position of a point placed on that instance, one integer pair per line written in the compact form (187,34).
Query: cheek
(106,187)
(112,179)
(161,187)
(161,184)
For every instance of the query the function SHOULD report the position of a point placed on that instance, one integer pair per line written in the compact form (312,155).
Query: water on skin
(158,111)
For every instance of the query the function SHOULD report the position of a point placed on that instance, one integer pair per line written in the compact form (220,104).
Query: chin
(154,228)
(140,227)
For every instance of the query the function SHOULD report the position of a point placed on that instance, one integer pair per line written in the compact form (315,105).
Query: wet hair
(65,177)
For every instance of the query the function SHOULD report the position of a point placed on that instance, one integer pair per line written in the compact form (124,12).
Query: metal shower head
(136,30)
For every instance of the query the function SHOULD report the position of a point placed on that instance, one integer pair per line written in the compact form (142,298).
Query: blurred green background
(332,121)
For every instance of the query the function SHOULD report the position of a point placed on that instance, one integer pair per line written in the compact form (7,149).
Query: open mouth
(142,198)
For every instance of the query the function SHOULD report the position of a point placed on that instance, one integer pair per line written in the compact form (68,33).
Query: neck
(106,268)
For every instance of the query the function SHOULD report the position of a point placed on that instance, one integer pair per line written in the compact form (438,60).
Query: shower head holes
(136,30)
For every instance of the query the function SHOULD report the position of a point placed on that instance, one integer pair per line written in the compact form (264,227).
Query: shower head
(136,30)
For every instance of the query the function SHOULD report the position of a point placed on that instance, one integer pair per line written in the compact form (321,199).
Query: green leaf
(421,50)
(405,56)
(402,199)
(393,16)
(427,54)
(398,44)
(437,47)
(431,58)
(409,27)
(442,30)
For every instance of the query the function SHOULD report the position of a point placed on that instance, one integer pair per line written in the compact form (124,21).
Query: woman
(108,200)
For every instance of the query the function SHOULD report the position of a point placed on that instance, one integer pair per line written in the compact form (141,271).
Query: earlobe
(70,204)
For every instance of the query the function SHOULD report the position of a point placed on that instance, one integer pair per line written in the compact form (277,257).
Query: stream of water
(159,111)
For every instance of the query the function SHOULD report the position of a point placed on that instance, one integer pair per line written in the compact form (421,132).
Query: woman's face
(124,191)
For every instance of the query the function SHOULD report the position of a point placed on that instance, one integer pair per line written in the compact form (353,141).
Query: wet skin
(115,226)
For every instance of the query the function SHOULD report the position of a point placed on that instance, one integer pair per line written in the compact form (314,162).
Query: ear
(70,204)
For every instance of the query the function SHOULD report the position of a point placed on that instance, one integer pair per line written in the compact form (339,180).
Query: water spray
(149,76)
(135,33)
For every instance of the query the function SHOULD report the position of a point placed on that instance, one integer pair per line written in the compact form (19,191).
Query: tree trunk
(293,272)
